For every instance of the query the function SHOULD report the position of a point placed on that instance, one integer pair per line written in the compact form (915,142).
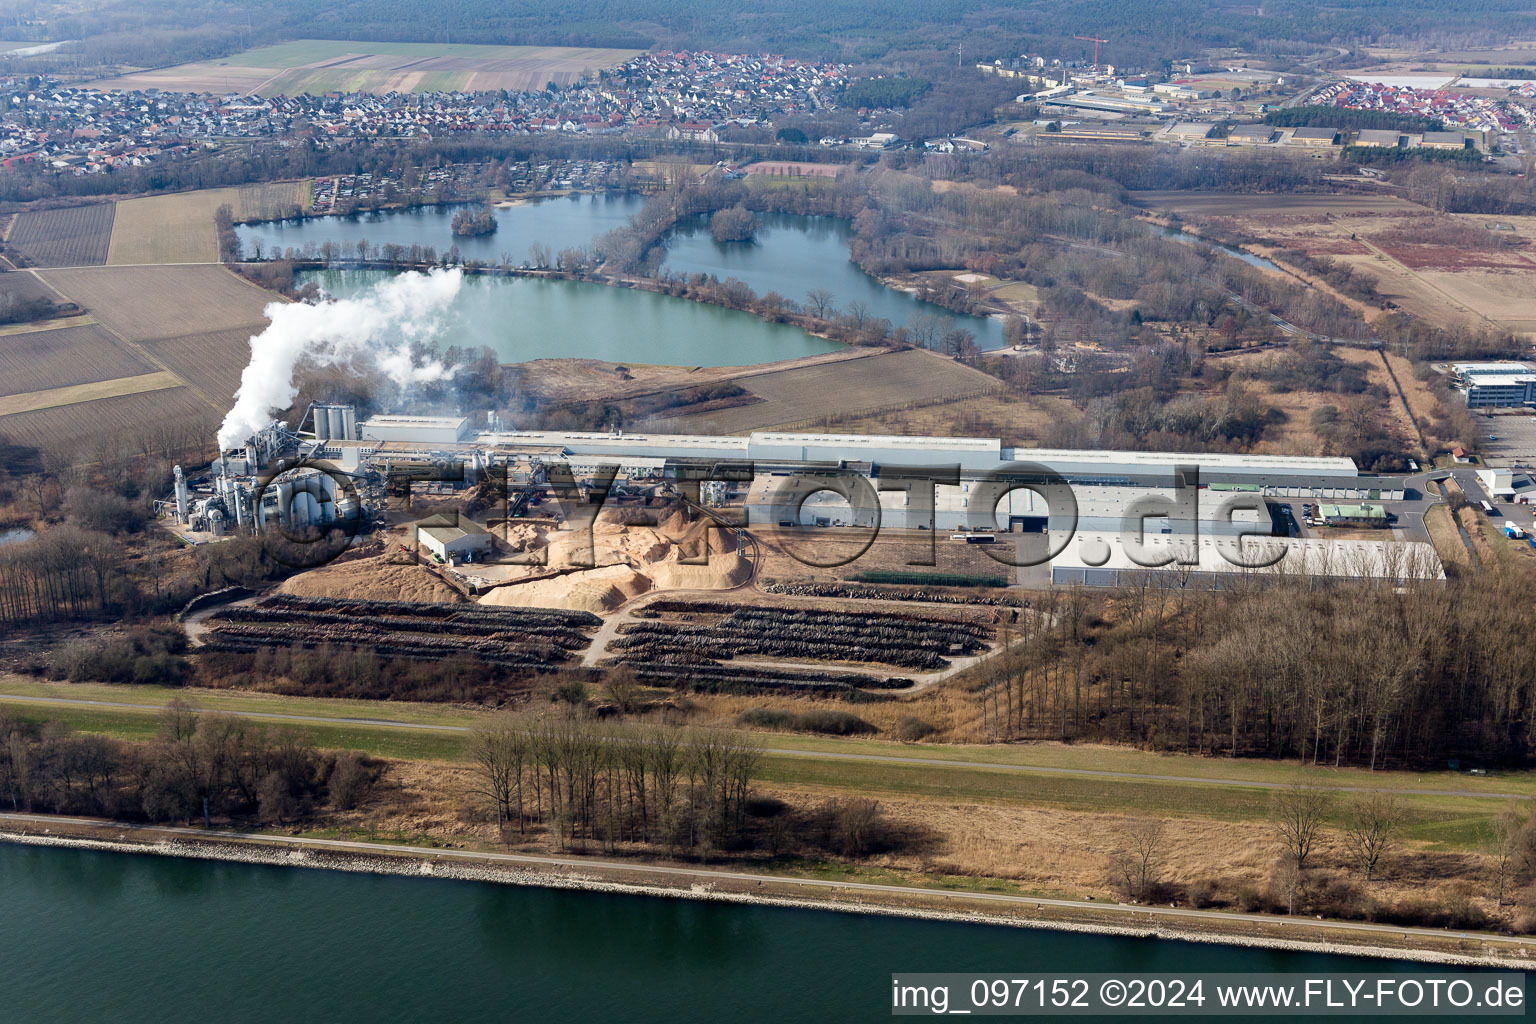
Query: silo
(322,422)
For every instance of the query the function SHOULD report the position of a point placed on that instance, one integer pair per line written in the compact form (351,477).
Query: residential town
(1485,113)
(688,95)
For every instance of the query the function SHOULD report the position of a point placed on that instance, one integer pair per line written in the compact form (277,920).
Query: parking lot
(1516,437)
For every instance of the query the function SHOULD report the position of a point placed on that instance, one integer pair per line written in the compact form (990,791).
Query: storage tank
(181,496)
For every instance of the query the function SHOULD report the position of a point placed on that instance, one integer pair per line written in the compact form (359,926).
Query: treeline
(1381,155)
(654,782)
(68,573)
(1035,168)
(1367,672)
(198,766)
(1345,119)
(885,91)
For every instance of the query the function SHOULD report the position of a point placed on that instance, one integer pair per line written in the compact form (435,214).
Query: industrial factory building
(1495,385)
(948,485)
(452,539)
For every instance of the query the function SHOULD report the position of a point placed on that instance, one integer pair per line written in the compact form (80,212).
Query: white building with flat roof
(419,429)
(1496,385)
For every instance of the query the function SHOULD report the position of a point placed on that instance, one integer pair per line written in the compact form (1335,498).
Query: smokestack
(379,329)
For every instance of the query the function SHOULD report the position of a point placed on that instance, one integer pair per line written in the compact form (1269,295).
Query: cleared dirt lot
(74,237)
(805,395)
(1018,420)
(1227,204)
(179,228)
(1447,269)
(63,358)
(140,303)
(319,66)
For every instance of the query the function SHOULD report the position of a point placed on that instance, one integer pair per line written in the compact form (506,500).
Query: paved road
(1133,913)
(816,755)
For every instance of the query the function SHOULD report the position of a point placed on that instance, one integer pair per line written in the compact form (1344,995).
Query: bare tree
(1140,855)
(819,302)
(855,821)
(178,721)
(1371,829)
(1298,812)
(624,688)
(500,750)
(1504,835)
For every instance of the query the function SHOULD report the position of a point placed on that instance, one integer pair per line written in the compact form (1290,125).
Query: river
(1180,235)
(106,936)
(528,320)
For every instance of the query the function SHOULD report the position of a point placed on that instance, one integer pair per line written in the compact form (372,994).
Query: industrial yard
(993,474)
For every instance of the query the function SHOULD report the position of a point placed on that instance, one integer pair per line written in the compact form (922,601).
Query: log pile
(788,634)
(529,638)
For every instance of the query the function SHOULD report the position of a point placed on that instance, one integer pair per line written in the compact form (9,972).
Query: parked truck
(1512,531)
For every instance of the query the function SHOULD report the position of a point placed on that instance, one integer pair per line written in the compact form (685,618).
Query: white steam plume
(376,329)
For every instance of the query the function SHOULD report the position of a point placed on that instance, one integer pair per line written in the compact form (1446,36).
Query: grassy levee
(1449,823)
(1069,757)
(404,743)
(242,701)
(1189,770)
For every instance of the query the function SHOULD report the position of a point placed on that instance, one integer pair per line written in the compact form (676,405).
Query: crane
(1095,40)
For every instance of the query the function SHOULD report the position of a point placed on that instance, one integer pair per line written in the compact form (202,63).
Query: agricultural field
(179,228)
(75,236)
(52,398)
(202,335)
(128,423)
(142,303)
(318,66)
(23,287)
(806,394)
(39,360)
(211,361)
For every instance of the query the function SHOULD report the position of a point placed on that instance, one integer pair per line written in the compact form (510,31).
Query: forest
(1345,119)
(1333,671)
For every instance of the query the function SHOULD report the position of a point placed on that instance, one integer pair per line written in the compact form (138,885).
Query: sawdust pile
(372,579)
(632,559)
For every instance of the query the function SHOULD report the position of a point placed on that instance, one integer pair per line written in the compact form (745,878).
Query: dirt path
(1397,386)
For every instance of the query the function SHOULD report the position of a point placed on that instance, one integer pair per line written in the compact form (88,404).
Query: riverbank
(700,883)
